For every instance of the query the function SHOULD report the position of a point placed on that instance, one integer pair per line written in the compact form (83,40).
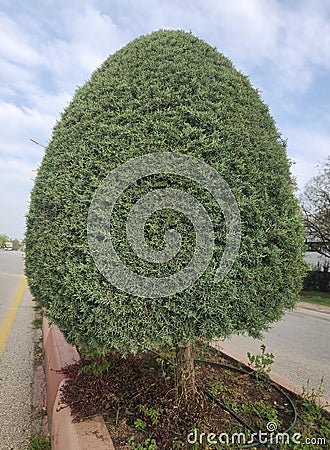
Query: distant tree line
(318,279)
(315,203)
(17,244)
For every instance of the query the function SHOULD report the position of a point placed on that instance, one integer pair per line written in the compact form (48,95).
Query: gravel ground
(16,380)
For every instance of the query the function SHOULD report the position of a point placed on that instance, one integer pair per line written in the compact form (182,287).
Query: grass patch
(319,298)
(37,324)
(39,443)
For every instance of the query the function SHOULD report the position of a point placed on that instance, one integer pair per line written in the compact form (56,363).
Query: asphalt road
(300,343)
(16,360)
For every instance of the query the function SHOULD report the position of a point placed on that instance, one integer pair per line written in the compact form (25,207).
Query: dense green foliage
(166,92)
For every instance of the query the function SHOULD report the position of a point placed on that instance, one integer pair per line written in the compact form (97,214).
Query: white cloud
(247,30)
(289,42)
(14,44)
(18,126)
(16,183)
(89,37)
(94,37)
(14,206)
(49,104)
(16,172)
(303,46)
(19,158)
(308,148)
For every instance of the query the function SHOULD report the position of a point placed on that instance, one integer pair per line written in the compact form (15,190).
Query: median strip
(8,320)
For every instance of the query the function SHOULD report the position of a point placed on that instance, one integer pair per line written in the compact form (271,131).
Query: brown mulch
(138,399)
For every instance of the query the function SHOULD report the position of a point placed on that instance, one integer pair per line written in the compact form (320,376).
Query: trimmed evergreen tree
(165,92)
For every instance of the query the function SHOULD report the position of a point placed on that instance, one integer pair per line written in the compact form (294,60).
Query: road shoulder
(16,376)
(314,307)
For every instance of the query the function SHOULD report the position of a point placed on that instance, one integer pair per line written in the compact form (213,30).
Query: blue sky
(48,48)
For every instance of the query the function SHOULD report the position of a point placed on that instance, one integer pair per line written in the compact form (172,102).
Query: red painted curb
(58,353)
(66,434)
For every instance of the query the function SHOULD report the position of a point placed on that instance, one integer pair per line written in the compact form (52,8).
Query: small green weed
(39,443)
(217,388)
(263,411)
(37,308)
(310,394)
(96,367)
(140,424)
(153,414)
(312,413)
(38,350)
(261,363)
(166,368)
(313,424)
(37,324)
(149,444)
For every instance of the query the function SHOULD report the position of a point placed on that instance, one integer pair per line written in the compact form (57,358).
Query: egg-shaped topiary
(172,93)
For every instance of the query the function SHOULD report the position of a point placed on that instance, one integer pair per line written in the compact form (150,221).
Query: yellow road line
(9,318)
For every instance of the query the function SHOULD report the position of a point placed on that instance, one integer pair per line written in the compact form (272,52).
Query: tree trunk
(185,369)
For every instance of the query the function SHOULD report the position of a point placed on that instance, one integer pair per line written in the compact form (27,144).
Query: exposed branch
(38,143)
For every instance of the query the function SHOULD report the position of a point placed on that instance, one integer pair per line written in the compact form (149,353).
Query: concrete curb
(65,434)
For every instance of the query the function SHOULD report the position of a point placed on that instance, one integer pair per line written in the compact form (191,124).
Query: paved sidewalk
(16,380)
